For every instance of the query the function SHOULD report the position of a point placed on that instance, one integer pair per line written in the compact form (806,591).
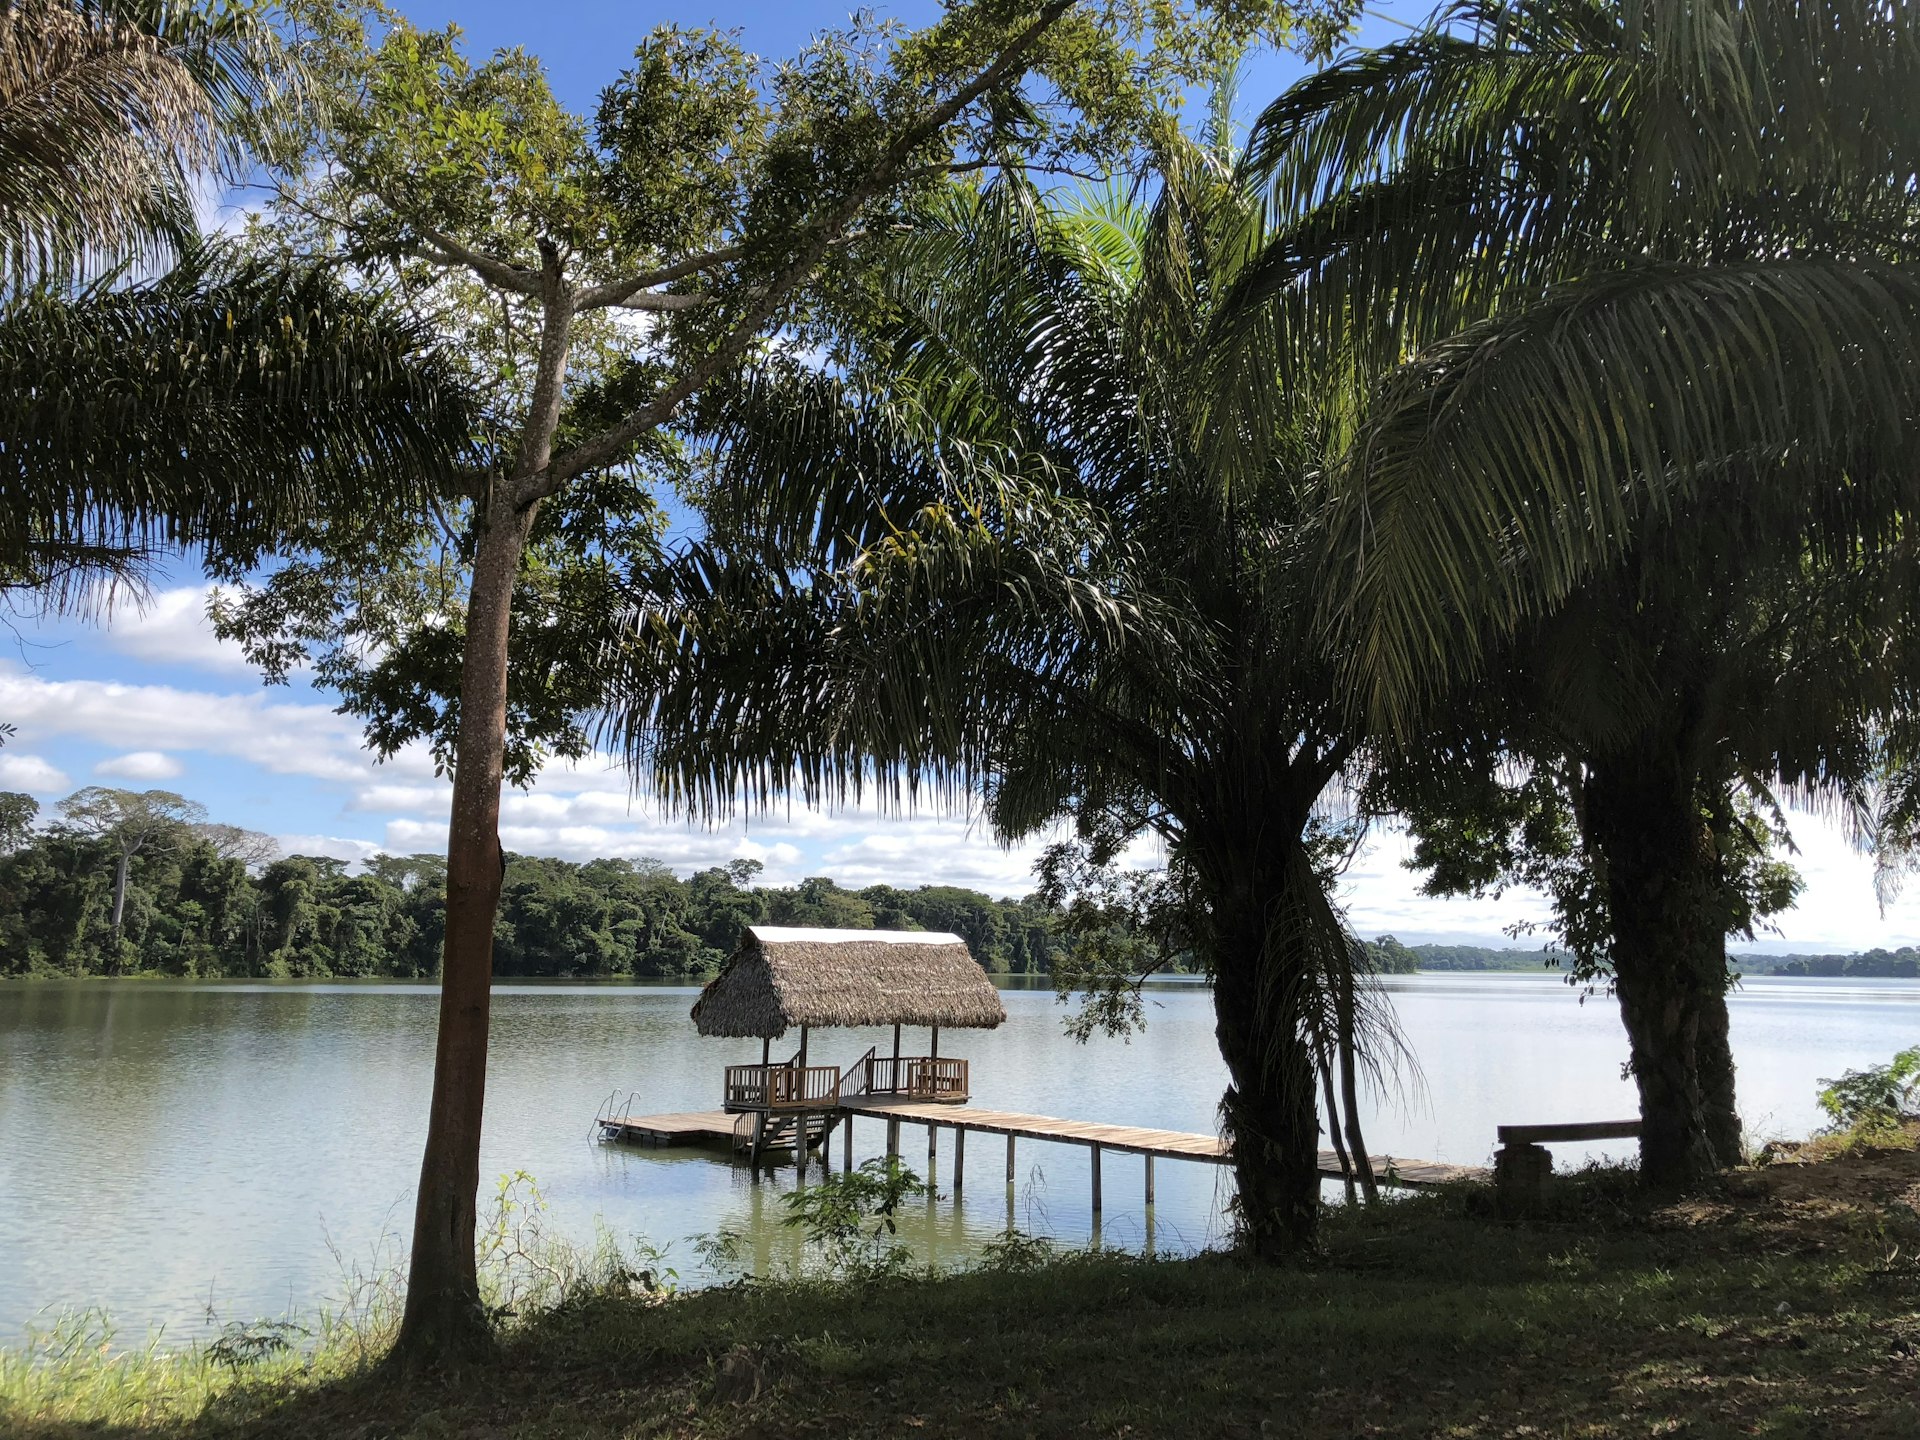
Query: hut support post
(803,1059)
(1096,1178)
(897,1087)
(933,1049)
(1149,1182)
(959,1158)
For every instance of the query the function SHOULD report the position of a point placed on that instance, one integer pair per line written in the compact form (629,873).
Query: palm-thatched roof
(782,977)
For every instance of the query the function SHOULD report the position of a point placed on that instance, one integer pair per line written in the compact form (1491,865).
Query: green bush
(1874,1101)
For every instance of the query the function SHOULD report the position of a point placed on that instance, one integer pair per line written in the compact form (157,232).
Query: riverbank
(1781,1301)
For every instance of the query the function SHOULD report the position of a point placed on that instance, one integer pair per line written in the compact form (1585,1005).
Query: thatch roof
(781,977)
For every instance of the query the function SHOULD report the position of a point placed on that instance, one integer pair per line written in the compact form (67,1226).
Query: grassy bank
(1784,1301)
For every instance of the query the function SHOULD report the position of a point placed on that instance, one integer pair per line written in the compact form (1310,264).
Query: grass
(1782,1301)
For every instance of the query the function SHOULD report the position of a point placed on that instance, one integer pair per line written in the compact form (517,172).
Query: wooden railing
(918,1077)
(775,1087)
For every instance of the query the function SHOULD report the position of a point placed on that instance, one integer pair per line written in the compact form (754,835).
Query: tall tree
(993,554)
(129,822)
(702,204)
(17,814)
(1642,273)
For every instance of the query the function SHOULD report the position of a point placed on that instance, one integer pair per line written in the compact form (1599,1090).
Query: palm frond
(216,406)
(1508,463)
(111,112)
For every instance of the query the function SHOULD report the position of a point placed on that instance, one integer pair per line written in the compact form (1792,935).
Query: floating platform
(694,1127)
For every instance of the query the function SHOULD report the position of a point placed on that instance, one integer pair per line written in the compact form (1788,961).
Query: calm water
(167,1150)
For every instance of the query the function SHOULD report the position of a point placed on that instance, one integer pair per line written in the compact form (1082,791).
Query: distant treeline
(192,908)
(1390,957)
(1901,964)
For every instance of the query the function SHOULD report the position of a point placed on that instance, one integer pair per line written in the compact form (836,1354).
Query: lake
(186,1154)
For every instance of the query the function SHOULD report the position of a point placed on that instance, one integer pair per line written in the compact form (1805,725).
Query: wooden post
(803,1062)
(933,1134)
(848,1167)
(1096,1178)
(893,1137)
(959,1158)
(933,1050)
(896,1059)
(1009,1162)
(1149,1182)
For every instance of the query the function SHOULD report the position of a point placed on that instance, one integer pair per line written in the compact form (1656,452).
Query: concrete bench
(1521,1166)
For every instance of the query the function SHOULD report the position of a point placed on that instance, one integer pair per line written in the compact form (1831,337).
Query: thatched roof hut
(782,977)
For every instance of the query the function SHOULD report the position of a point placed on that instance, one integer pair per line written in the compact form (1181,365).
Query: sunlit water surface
(187,1154)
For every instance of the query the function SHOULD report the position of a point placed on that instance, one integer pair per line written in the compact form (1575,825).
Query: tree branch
(617,292)
(614,441)
(494,271)
(647,300)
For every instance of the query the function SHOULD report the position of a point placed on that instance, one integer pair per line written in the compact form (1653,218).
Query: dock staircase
(758,1133)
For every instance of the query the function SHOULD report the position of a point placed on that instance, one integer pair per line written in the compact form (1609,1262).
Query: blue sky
(148,698)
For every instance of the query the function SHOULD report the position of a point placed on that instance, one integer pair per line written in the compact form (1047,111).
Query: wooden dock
(716,1127)
(1135,1140)
(695,1127)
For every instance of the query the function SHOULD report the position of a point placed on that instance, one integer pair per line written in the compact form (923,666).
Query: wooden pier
(717,1127)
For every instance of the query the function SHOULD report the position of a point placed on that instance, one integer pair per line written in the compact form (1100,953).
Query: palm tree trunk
(444,1321)
(1664,893)
(1261,992)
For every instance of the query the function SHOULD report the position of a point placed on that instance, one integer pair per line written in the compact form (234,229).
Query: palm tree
(213,404)
(1641,277)
(994,555)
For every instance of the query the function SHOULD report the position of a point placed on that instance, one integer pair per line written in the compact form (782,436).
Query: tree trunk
(1665,893)
(1350,1088)
(1325,1063)
(1261,989)
(120,890)
(444,1322)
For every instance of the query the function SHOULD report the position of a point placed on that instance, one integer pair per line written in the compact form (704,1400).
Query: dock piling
(847,1146)
(1149,1182)
(893,1137)
(1096,1178)
(959,1159)
(1009,1162)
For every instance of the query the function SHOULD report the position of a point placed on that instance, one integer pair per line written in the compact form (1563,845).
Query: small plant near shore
(1869,1106)
(849,1223)
(1014,1251)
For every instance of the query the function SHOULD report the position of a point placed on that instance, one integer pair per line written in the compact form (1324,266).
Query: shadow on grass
(1609,1314)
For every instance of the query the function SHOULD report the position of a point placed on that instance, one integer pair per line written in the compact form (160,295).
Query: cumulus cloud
(281,737)
(332,847)
(141,765)
(172,629)
(31,774)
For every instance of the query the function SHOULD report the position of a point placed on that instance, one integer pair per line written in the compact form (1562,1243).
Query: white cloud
(334,847)
(172,629)
(141,765)
(31,774)
(283,738)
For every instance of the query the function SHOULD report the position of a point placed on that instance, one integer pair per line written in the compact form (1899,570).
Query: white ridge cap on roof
(791,934)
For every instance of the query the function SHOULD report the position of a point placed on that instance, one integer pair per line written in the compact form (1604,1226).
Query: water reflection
(169,1147)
